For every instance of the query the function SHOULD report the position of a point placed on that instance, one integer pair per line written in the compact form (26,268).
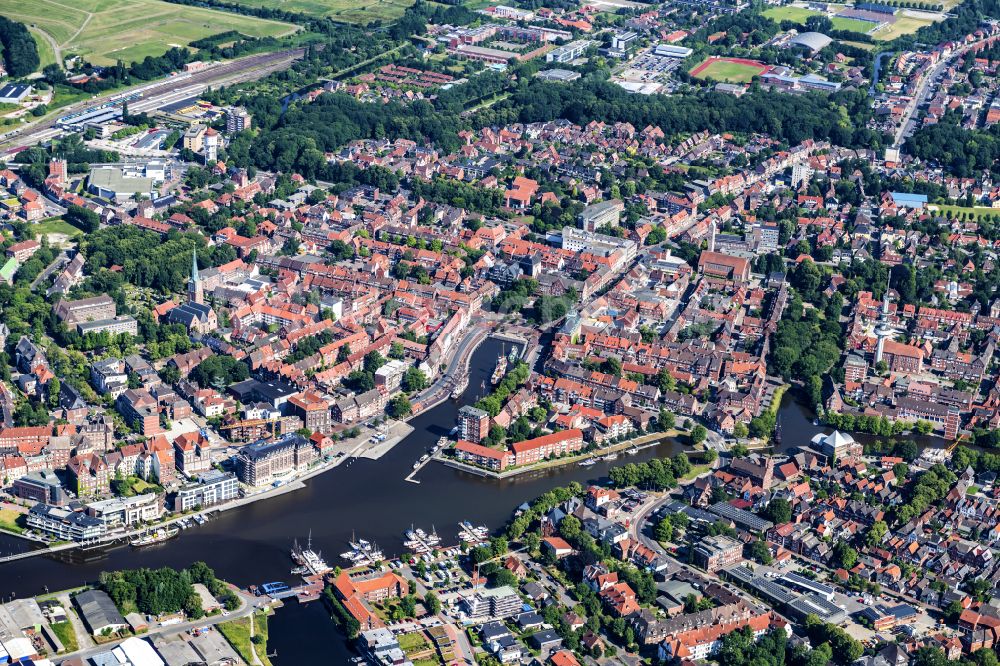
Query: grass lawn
(237,632)
(105,31)
(413,642)
(955,212)
(789,13)
(56,225)
(697,470)
(46,54)
(359,11)
(904,25)
(730,72)
(861,45)
(64,631)
(12,521)
(854,25)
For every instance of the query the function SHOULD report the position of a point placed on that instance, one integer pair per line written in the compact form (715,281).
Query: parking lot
(645,71)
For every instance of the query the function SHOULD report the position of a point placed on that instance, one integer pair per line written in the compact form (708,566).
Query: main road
(924,88)
(163,92)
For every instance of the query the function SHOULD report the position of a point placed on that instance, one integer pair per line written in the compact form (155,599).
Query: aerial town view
(558,332)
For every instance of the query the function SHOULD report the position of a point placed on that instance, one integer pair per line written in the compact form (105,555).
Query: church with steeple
(195,314)
(196,290)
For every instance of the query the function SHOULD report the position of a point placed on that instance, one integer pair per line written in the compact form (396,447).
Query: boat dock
(426,458)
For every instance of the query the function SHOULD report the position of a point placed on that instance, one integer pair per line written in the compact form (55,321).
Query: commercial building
(360,407)
(483,456)
(262,462)
(358,592)
(389,377)
(99,612)
(672,51)
(473,424)
(41,486)
(14,93)
(213,487)
(500,602)
(237,120)
(715,552)
(604,213)
(547,446)
(622,41)
(65,525)
(727,267)
(568,52)
(127,511)
(580,240)
(114,326)
(111,183)
(313,410)
(194,138)
(86,309)
(748,521)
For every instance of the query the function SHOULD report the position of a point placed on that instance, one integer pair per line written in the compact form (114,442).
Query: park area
(729,70)
(105,31)
(348,11)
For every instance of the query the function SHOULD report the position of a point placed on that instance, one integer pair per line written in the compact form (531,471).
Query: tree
(414,380)
(432,603)
(778,511)
(844,555)
(665,529)
(740,451)
(760,552)
(666,420)
(698,434)
(504,577)
(876,534)
(740,430)
(82,218)
(399,407)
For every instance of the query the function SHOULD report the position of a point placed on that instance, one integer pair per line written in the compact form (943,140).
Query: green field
(957,212)
(730,72)
(104,31)
(790,13)
(359,11)
(904,25)
(854,25)
(237,632)
(64,631)
(55,225)
(12,521)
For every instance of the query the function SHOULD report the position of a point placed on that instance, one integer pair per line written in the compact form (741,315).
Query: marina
(362,553)
(473,535)
(421,542)
(309,560)
(439,446)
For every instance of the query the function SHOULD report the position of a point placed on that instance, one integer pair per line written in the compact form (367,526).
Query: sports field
(104,31)
(789,13)
(348,11)
(904,25)
(854,25)
(730,70)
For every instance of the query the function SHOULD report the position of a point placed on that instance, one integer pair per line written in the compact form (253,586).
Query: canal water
(362,498)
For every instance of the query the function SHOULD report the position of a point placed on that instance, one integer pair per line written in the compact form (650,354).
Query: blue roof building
(909,200)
